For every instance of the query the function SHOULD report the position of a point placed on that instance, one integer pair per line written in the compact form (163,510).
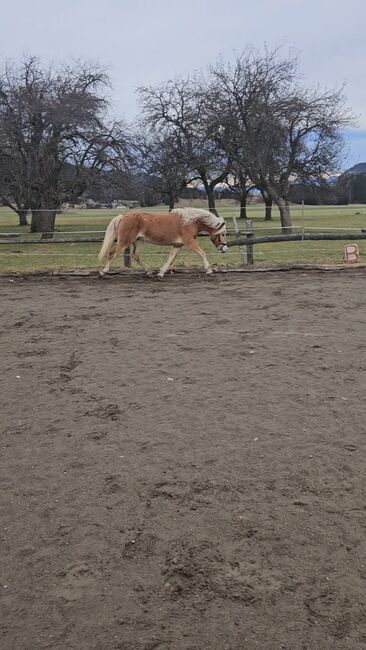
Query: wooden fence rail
(242,238)
(58,240)
(306,236)
(250,240)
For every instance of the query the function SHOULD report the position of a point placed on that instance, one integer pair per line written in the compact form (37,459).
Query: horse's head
(218,237)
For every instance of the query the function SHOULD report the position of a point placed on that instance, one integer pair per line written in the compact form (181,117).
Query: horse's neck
(202,226)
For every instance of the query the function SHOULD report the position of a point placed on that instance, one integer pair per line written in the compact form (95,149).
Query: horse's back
(159,227)
(156,220)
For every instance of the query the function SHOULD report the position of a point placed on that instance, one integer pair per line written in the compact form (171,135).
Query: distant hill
(360,168)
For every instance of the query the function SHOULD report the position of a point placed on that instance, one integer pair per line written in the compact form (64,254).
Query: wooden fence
(241,238)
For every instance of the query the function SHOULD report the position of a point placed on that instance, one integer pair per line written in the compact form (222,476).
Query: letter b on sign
(351,253)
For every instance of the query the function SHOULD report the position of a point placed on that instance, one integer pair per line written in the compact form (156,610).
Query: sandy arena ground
(183,463)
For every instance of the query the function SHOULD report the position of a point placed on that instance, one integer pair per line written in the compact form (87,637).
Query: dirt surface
(183,463)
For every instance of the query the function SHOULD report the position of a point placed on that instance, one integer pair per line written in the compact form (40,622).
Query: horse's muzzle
(222,248)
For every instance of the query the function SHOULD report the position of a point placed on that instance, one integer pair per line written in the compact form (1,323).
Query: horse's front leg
(172,255)
(192,244)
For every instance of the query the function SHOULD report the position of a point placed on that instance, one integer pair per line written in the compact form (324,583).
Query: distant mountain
(360,168)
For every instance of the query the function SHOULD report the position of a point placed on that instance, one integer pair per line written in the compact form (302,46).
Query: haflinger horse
(177,228)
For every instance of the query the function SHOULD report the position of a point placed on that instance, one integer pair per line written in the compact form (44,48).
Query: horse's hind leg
(137,247)
(119,248)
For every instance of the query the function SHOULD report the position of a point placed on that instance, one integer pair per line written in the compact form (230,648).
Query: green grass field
(16,257)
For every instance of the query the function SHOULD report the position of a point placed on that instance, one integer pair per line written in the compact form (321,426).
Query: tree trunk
(210,193)
(19,208)
(43,221)
(22,214)
(243,205)
(171,201)
(268,209)
(211,200)
(285,215)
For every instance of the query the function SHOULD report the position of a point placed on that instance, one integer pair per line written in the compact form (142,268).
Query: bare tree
(54,129)
(110,184)
(13,164)
(276,129)
(240,186)
(12,191)
(180,108)
(268,203)
(161,160)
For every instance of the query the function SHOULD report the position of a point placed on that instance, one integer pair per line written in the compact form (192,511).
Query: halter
(221,229)
(220,246)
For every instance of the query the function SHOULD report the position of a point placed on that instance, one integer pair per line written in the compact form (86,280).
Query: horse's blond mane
(190,215)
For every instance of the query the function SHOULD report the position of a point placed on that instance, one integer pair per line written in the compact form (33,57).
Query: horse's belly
(160,241)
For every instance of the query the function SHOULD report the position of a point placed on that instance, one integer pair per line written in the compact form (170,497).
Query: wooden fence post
(127,258)
(242,252)
(250,247)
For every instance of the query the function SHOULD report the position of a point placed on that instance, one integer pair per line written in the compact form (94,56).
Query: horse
(176,229)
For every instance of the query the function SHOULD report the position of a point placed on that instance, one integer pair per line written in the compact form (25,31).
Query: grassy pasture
(73,223)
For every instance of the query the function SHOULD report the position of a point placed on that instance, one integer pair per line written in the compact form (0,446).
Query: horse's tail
(109,237)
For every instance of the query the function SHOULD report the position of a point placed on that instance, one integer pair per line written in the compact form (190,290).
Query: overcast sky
(145,42)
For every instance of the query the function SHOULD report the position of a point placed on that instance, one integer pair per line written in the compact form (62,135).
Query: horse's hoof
(101,274)
(160,276)
(209,272)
